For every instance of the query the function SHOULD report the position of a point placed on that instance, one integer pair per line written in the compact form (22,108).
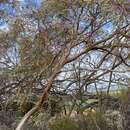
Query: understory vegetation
(63,114)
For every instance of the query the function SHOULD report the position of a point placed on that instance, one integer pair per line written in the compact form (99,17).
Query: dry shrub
(93,121)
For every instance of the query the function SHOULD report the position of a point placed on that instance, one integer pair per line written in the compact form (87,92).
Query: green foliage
(56,106)
(34,57)
(4,1)
(124,95)
(64,124)
(93,121)
(40,120)
(21,104)
(57,6)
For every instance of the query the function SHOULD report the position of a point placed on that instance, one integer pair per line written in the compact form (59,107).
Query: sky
(4,7)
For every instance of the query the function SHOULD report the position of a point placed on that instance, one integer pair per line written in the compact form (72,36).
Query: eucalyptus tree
(68,45)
